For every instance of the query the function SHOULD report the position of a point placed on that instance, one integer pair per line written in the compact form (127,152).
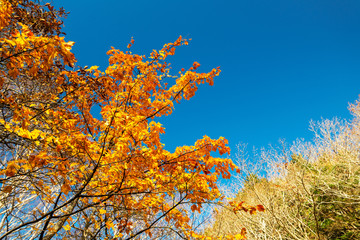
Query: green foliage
(337,212)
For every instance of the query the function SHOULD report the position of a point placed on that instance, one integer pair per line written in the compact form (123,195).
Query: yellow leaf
(67,227)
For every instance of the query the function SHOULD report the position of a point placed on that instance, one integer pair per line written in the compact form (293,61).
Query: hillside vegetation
(309,190)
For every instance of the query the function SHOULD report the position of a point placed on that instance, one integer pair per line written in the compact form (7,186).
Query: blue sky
(283,62)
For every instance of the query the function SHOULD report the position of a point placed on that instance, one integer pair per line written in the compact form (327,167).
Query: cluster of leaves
(311,190)
(68,171)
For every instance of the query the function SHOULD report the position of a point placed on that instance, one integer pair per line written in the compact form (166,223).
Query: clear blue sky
(283,62)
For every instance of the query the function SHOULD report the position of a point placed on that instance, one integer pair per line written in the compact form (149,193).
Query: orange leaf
(243,231)
(196,65)
(65,188)
(7,189)
(260,208)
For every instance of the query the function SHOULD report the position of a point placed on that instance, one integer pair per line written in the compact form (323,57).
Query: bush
(311,190)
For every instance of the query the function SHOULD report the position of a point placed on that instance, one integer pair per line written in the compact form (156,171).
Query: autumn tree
(81,156)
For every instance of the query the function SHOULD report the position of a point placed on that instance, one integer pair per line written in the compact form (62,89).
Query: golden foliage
(70,171)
